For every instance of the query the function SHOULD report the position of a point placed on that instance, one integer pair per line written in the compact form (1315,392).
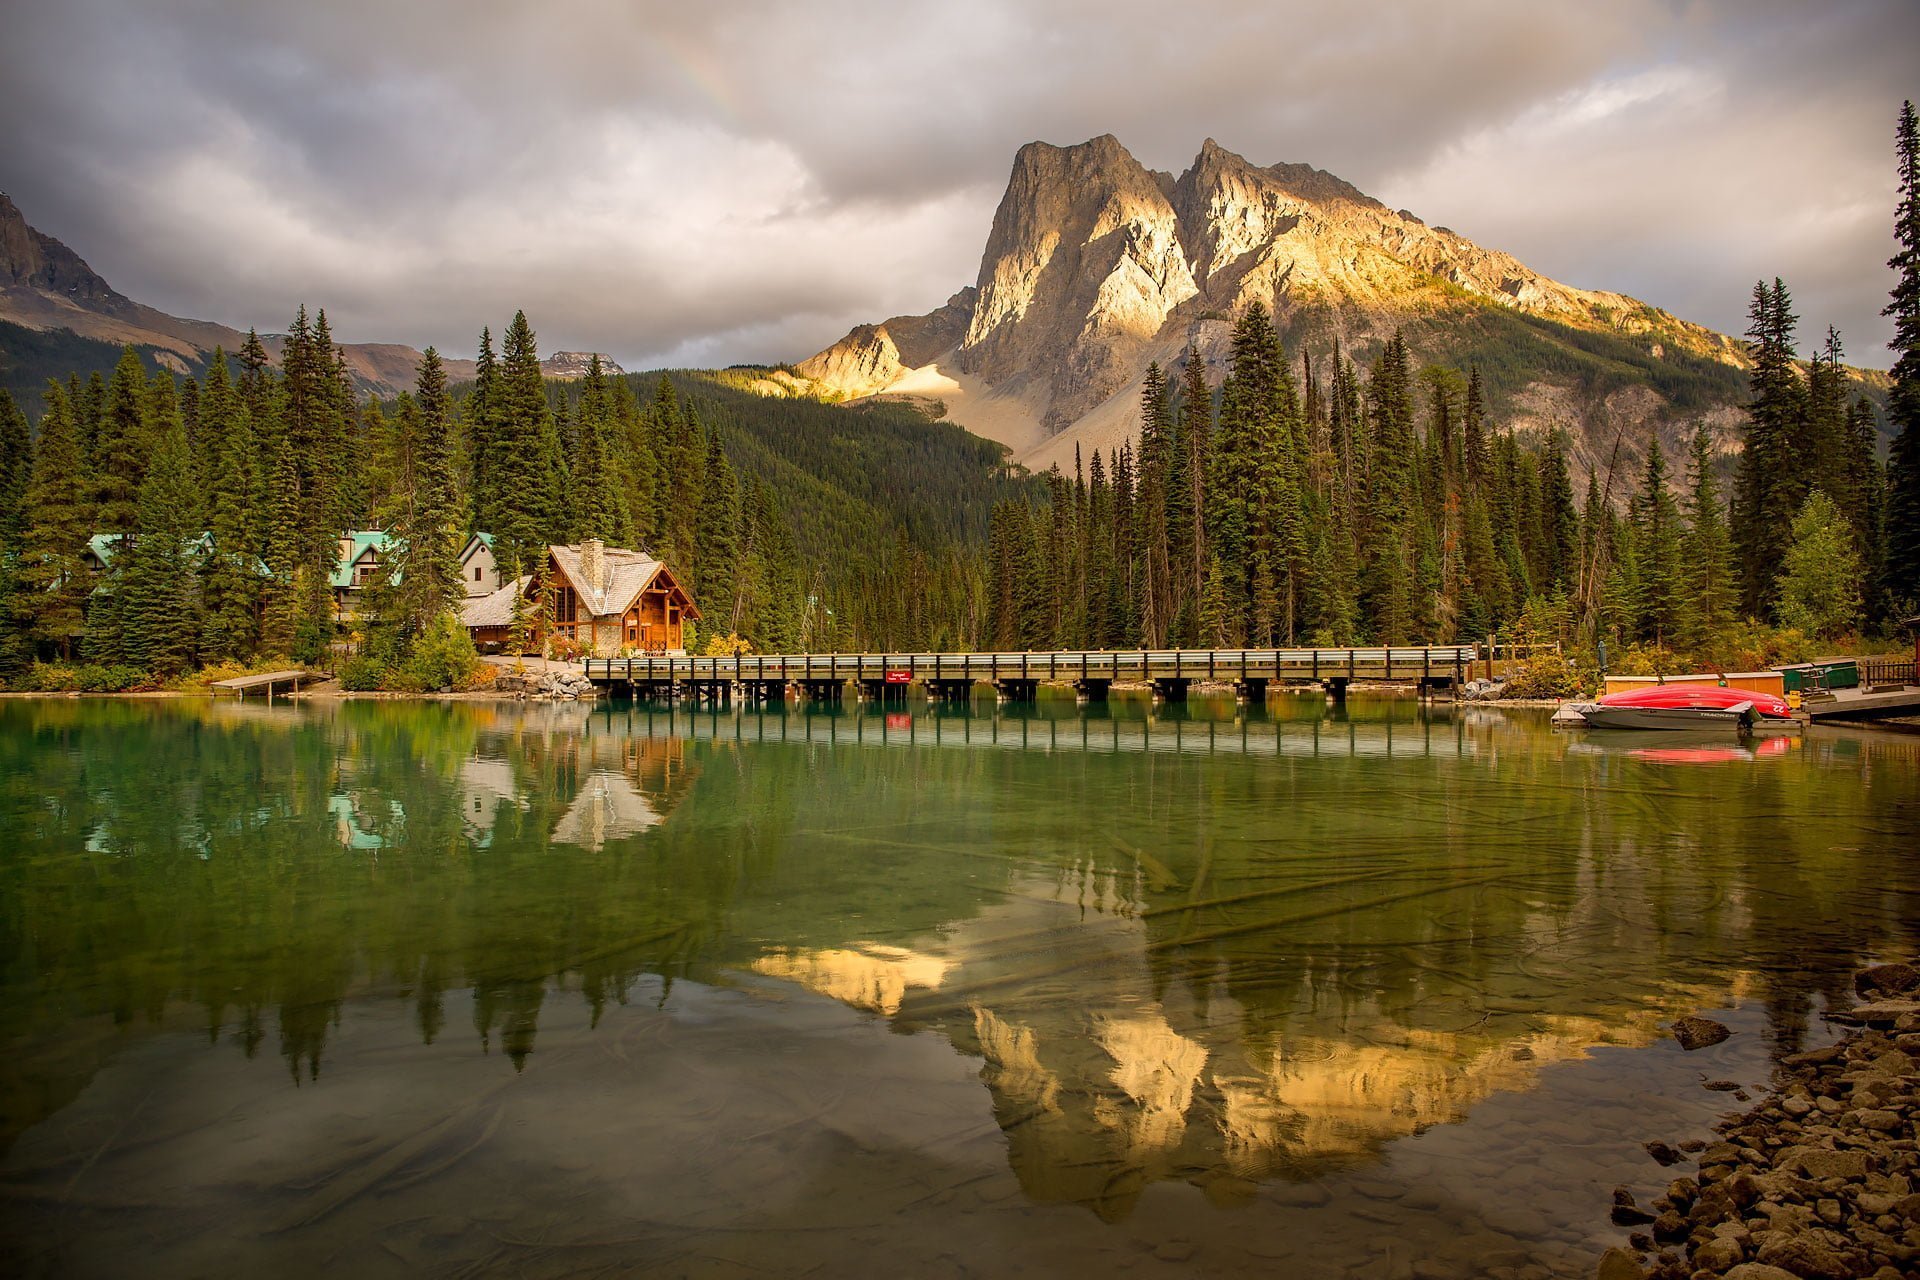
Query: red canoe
(1686,706)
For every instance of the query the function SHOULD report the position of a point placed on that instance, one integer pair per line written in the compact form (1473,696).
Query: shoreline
(1817,1181)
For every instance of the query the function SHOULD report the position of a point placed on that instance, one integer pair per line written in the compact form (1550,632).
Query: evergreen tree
(1711,589)
(596,489)
(1903,402)
(231,586)
(1657,535)
(58,521)
(531,510)
(16,473)
(425,515)
(719,533)
(1820,576)
(480,416)
(1768,487)
(1559,539)
(119,461)
(158,592)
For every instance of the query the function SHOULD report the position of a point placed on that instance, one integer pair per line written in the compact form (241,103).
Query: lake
(402,988)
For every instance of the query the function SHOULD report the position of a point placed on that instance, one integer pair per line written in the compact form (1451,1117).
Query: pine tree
(231,585)
(159,592)
(1711,589)
(1657,537)
(1196,439)
(281,551)
(427,517)
(121,449)
(480,416)
(16,473)
(1768,488)
(1820,574)
(1903,402)
(531,510)
(58,523)
(719,533)
(602,506)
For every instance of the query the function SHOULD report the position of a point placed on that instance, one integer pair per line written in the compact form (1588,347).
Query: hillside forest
(1304,500)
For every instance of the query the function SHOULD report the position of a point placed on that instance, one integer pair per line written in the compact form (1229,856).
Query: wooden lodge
(605,602)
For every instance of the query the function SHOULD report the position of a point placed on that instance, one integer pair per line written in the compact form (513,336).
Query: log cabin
(605,600)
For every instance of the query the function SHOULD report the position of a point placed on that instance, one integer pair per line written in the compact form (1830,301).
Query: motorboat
(1688,706)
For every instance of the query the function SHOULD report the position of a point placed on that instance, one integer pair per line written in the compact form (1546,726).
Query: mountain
(1096,265)
(57,315)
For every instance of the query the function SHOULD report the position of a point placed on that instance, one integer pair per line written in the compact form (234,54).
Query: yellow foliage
(726,646)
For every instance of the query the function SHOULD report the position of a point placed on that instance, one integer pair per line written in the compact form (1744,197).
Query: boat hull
(1667,718)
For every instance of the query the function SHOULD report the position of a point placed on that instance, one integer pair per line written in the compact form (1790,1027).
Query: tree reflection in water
(1206,947)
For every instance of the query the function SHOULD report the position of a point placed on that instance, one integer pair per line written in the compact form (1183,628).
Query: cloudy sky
(713,183)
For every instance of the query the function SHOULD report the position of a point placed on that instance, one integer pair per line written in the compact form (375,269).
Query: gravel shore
(1817,1182)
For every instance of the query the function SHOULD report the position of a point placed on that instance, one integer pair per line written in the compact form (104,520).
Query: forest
(156,525)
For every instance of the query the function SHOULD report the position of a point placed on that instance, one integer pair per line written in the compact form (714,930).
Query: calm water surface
(406,989)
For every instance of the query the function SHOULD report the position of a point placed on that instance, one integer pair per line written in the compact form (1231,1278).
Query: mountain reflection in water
(1198,947)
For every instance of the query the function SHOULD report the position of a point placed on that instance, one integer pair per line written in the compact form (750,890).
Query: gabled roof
(104,546)
(484,539)
(494,610)
(628,573)
(361,542)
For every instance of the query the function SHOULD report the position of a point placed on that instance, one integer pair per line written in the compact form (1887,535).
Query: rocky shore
(556,685)
(1820,1181)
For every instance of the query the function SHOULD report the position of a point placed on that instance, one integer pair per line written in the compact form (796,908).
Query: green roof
(364,540)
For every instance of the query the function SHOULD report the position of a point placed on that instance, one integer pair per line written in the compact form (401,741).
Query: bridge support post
(1253,689)
(1337,688)
(1171,689)
(764,691)
(882,692)
(818,690)
(1018,688)
(1092,690)
(950,690)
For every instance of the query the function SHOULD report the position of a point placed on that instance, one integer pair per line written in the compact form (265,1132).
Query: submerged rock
(1694,1032)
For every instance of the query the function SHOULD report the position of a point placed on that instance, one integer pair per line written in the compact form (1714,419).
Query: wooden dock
(885,677)
(266,682)
(1867,703)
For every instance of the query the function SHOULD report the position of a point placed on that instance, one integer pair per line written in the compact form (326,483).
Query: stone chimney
(593,565)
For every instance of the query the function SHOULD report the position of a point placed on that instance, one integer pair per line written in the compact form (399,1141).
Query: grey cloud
(745,181)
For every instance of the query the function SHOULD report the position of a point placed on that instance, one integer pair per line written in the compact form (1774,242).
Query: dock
(1885,689)
(1017,677)
(267,682)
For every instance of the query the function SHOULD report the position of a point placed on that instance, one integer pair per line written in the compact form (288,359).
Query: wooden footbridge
(886,677)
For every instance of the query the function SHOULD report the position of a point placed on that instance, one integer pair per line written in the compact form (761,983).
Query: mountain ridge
(1095,266)
(47,287)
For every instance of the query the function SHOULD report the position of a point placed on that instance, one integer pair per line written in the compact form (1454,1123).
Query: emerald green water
(413,988)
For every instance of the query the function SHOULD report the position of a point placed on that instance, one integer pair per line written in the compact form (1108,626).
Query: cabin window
(476,573)
(564,609)
(362,572)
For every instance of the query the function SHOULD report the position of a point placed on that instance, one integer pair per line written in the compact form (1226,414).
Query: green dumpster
(1811,677)
(1840,675)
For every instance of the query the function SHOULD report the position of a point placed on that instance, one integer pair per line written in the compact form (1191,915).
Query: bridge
(949,677)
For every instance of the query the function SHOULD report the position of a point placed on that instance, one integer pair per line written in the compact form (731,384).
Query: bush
(443,658)
(94,678)
(309,644)
(1549,675)
(50,677)
(363,674)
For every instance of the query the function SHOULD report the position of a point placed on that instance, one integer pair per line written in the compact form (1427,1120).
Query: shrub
(1549,675)
(50,677)
(309,644)
(363,674)
(443,657)
(96,678)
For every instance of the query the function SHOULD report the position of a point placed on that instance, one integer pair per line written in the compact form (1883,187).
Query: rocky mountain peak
(34,260)
(1096,265)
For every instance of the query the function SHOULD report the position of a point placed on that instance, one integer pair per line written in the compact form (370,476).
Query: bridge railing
(1402,662)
